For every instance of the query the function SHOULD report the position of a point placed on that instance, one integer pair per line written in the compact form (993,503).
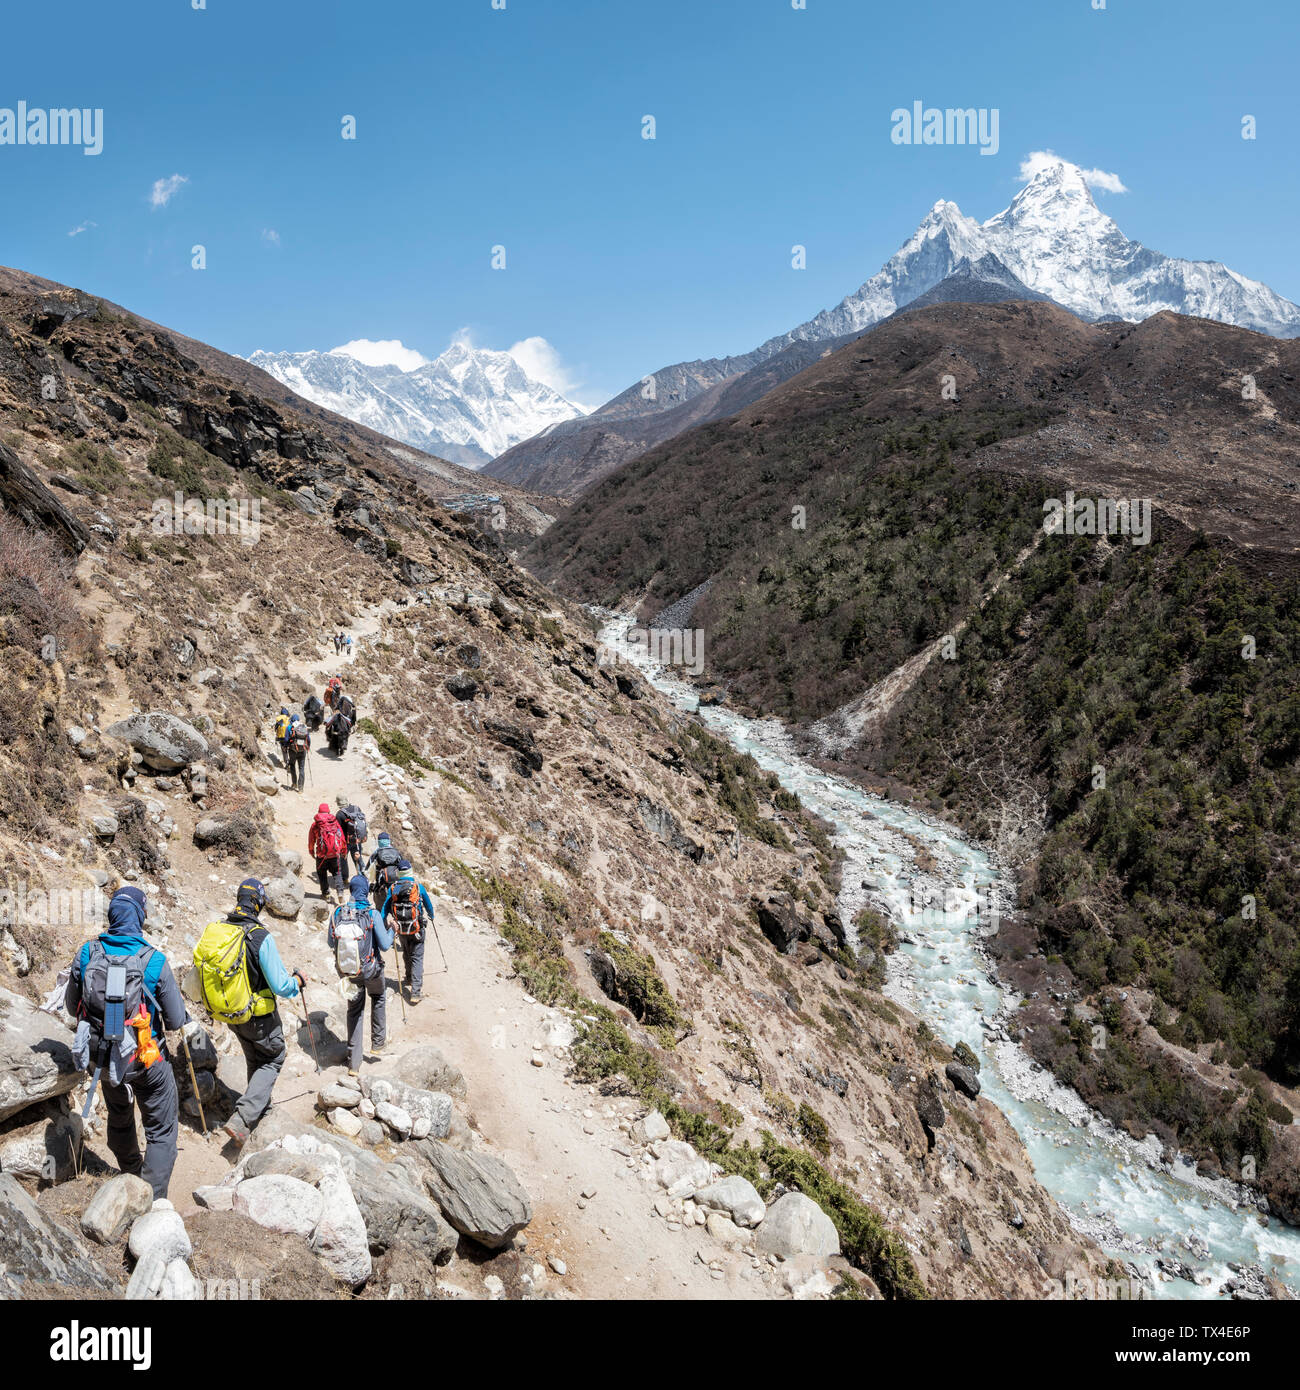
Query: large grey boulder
(427,1069)
(392,1200)
(43,1142)
(35,1056)
(285,896)
(165,742)
(736,1196)
(160,1232)
(478,1193)
(119,1202)
(795,1225)
(278,1202)
(963,1078)
(340,1238)
(34,1249)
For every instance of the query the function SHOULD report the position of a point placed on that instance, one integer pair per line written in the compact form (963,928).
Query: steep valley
(638,922)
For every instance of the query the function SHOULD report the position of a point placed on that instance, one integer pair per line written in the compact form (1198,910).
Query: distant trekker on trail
(347,641)
(408,910)
(124,996)
(337,730)
(384,858)
(282,722)
(357,936)
(353,820)
(338,642)
(328,846)
(299,745)
(241,976)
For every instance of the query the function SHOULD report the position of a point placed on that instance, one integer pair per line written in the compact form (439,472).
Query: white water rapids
(1111,1188)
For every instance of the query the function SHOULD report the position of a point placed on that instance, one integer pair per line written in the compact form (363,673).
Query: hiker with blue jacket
(408,909)
(122,987)
(357,936)
(262,1037)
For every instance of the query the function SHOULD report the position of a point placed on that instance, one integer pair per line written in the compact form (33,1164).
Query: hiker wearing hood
(368,980)
(328,846)
(135,1070)
(408,909)
(262,1037)
(384,859)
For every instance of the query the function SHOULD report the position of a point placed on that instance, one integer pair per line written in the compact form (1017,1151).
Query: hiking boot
(237,1130)
(413,998)
(378,1050)
(352,1071)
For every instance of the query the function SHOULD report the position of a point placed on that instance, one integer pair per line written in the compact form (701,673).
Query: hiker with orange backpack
(328,846)
(124,996)
(408,909)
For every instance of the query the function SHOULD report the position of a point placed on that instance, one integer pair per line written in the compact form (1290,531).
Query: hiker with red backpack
(358,937)
(241,976)
(124,996)
(297,746)
(408,909)
(353,820)
(328,846)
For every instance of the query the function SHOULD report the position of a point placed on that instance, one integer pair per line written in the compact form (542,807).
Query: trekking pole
(433,922)
(194,1081)
(398,968)
(311,1037)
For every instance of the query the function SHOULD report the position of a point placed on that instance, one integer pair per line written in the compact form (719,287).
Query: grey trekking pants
(373,989)
(262,1040)
(154,1090)
(412,948)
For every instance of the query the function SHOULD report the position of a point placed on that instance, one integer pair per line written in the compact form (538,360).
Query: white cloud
(385,352)
(269,234)
(164,190)
(85,226)
(1038,160)
(543,363)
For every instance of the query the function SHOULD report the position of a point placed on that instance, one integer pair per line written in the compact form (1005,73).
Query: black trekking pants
(262,1041)
(153,1089)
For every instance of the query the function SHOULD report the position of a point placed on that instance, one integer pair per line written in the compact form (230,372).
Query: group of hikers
(342,643)
(126,999)
(337,712)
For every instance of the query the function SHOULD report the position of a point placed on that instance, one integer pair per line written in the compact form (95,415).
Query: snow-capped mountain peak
(468,405)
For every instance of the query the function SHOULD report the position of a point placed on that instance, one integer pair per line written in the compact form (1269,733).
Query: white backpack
(349,933)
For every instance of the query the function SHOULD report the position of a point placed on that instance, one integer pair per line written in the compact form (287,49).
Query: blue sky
(522,127)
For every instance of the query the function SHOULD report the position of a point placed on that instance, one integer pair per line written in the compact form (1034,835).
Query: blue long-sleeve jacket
(274,971)
(425,904)
(125,936)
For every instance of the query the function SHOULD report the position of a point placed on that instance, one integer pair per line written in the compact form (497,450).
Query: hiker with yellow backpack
(241,976)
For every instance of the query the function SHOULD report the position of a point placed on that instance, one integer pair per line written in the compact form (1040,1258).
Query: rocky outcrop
(33,1249)
(165,742)
(24,495)
(35,1056)
(795,1225)
(478,1194)
(118,1202)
